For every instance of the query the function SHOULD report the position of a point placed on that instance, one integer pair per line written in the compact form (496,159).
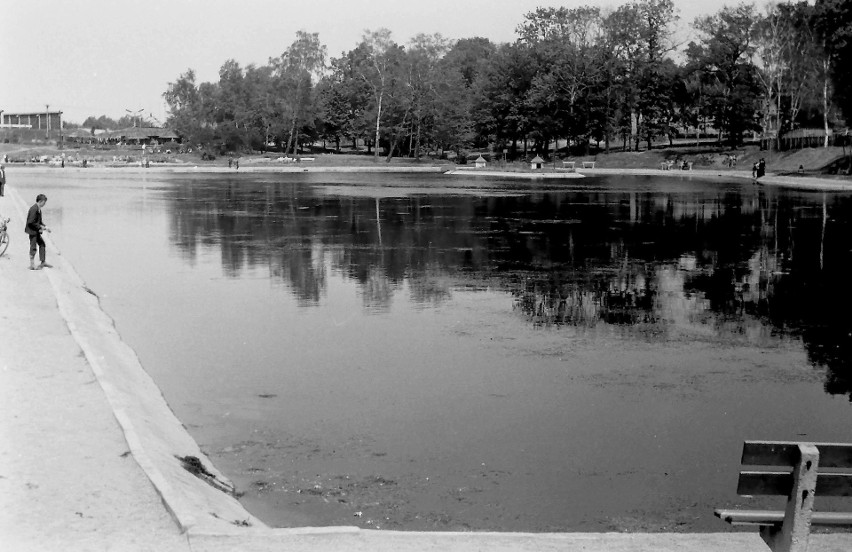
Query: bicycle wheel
(4,242)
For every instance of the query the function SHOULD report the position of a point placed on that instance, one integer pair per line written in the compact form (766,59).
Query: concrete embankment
(90,454)
(558,175)
(183,168)
(801,182)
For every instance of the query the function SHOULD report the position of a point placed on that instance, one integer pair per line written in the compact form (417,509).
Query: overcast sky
(106,57)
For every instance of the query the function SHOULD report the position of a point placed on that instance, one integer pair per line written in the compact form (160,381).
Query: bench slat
(780,483)
(786,453)
(776,517)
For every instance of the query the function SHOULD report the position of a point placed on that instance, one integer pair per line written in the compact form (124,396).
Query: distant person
(230,162)
(35,227)
(2,180)
(236,164)
(761,168)
(801,169)
(754,170)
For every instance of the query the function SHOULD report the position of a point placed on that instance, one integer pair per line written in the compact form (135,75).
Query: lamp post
(135,115)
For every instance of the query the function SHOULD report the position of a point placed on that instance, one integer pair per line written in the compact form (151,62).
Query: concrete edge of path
(248,168)
(215,521)
(156,438)
(399,541)
(800,182)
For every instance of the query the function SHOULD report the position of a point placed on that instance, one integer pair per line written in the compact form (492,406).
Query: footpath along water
(67,481)
(312,346)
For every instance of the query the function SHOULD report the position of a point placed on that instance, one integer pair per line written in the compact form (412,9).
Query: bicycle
(4,236)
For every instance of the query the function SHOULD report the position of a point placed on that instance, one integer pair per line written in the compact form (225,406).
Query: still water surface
(422,352)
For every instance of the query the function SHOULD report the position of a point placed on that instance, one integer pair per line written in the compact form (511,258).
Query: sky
(114,57)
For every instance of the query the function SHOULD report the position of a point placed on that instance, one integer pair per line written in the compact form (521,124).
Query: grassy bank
(813,161)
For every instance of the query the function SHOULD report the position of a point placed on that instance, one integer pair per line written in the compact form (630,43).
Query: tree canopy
(585,75)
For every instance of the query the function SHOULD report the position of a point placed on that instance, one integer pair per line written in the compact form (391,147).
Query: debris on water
(194,466)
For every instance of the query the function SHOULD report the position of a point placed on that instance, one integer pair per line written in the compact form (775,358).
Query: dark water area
(434,353)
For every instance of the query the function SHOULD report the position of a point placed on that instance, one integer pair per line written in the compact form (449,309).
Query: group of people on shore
(758,170)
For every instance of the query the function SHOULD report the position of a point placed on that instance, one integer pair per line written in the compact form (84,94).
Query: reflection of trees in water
(431,286)
(305,271)
(624,302)
(301,237)
(748,266)
(807,294)
(377,291)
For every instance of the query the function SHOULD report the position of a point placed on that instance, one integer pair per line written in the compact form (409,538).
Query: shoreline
(206,517)
(771,179)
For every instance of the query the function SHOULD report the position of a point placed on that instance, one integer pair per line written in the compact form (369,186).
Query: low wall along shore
(802,182)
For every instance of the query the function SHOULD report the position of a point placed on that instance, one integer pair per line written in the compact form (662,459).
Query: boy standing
(34,228)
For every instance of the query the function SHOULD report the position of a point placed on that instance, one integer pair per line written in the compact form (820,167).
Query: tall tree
(344,96)
(656,31)
(231,106)
(725,59)
(377,71)
(500,112)
(567,48)
(423,57)
(833,30)
(261,116)
(621,49)
(185,109)
(468,56)
(296,69)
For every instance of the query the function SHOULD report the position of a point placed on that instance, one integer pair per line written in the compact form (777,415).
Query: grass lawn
(813,160)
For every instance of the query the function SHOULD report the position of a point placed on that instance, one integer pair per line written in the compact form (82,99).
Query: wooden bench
(588,164)
(568,165)
(798,471)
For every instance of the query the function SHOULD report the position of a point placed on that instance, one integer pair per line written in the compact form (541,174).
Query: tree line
(613,78)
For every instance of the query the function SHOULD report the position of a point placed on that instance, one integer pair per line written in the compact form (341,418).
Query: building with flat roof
(36,120)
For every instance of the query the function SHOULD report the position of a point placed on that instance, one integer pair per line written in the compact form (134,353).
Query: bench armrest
(776,517)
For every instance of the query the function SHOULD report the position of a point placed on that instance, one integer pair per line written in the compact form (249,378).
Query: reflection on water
(449,354)
(746,265)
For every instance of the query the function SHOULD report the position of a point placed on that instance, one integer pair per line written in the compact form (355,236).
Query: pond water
(434,353)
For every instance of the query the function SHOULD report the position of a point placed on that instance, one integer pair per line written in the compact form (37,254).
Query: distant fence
(807,138)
